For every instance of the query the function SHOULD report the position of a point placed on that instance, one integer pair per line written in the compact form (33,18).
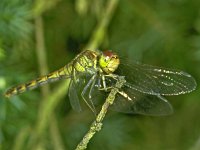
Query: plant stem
(41,52)
(98,34)
(97,124)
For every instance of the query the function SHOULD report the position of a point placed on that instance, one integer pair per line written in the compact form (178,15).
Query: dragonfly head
(109,61)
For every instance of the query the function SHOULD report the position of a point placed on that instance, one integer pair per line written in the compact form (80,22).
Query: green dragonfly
(92,73)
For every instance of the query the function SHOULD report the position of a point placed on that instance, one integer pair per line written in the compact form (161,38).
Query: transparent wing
(134,102)
(73,97)
(156,80)
(77,83)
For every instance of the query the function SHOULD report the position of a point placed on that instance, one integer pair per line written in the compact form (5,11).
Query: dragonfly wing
(156,80)
(140,103)
(73,97)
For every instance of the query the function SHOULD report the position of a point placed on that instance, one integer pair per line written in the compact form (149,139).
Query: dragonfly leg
(90,95)
(92,86)
(91,106)
(114,76)
(105,87)
(122,93)
(104,82)
(89,83)
(99,83)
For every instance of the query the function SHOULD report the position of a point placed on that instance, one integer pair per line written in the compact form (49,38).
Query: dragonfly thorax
(109,62)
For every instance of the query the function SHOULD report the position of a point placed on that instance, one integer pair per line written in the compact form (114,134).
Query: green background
(40,36)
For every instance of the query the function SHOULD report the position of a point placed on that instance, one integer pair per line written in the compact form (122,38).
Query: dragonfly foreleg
(99,83)
(114,76)
(105,87)
(104,82)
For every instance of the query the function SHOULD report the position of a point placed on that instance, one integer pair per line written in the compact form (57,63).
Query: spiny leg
(92,86)
(105,87)
(122,93)
(114,76)
(90,96)
(84,91)
(99,83)
(104,82)
(88,84)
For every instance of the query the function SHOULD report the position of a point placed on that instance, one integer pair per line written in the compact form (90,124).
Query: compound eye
(108,53)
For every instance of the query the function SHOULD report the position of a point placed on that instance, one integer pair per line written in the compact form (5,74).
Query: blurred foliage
(160,32)
(15,27)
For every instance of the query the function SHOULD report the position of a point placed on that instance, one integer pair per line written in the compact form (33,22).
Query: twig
(97,124)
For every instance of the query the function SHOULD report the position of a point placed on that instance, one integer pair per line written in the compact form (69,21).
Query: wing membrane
(140,103)
(73,97)
(156,80)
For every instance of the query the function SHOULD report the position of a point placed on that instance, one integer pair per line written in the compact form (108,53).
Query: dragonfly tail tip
(7,95)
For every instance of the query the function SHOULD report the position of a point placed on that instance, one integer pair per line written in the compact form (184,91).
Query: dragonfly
(92,73)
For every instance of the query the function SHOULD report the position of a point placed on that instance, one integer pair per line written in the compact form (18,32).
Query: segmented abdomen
(64,72)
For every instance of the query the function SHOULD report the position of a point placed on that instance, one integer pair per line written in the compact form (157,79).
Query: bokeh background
(41,36)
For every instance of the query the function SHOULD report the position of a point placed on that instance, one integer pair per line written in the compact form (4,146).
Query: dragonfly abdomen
(23,87)
(54,76)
